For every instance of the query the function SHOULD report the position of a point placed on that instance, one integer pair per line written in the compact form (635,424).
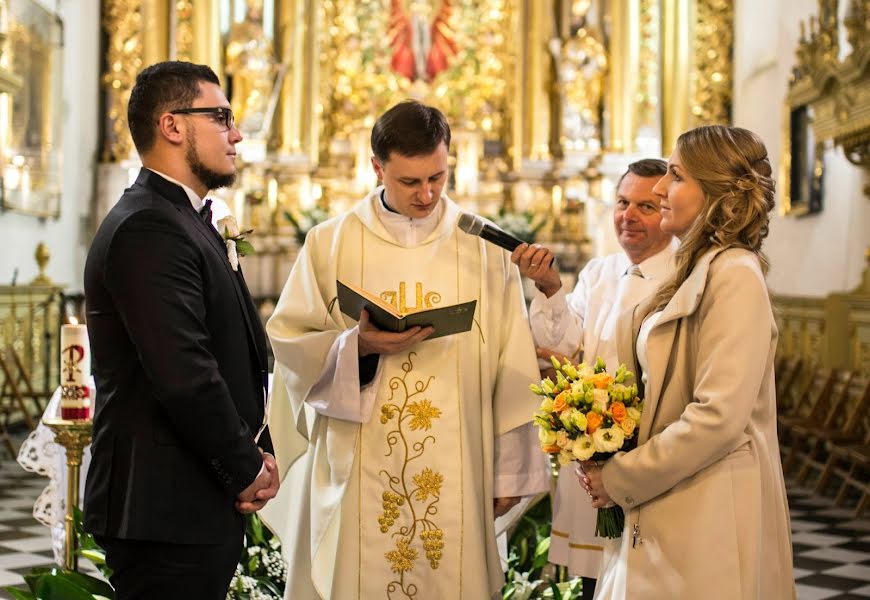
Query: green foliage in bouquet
(261,573)
(530,576)
(522,225)
(305,221)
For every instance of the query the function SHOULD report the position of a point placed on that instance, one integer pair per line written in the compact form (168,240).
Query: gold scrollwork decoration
(122,22)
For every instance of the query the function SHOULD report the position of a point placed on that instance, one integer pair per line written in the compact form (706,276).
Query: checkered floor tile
(831,547)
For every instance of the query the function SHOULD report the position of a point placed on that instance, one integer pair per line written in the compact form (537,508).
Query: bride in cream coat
(703,493)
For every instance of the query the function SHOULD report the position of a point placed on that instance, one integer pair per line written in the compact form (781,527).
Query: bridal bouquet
(588,414)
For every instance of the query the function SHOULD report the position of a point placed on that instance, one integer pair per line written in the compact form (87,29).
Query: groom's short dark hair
(410,128)
(159,88)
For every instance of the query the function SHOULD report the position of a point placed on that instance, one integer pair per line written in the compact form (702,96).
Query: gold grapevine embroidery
(410,497)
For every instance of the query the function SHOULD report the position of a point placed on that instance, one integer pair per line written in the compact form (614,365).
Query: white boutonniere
(235,240)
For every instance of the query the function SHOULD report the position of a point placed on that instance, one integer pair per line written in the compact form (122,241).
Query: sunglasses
(225,115)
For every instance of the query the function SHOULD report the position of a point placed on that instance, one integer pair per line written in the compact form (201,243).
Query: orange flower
(617,411)
(593,422)
(560,403)
(601,380)
(553,449)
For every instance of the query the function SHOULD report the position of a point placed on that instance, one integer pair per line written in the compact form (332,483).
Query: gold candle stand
(74,436)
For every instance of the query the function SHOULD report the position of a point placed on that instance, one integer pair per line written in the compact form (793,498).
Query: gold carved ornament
(410,501)
(359,79)
(122,22)
(184,29)
(711,77)
(837,90)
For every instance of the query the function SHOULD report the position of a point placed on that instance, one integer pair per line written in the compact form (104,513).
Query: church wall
(818,254)
(20,233)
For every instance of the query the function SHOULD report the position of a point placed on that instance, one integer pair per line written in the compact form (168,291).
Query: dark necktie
(205,212)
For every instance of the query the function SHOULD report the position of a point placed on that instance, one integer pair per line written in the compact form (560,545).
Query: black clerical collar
(384,202)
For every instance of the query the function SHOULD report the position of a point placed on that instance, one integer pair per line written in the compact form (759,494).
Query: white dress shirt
(585,320)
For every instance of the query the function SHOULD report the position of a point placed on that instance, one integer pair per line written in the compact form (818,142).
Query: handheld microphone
(474,225)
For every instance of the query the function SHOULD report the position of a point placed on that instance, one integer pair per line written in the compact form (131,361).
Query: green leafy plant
(530,575)
(305,221)
(261,573)
(522,225)
(56,583)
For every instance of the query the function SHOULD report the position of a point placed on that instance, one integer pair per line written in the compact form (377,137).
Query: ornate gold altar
(828,102)
(548,99)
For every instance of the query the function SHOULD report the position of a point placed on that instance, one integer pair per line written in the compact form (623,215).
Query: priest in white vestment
(582,324)
(401,451)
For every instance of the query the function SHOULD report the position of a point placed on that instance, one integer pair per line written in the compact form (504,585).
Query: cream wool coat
(704,487)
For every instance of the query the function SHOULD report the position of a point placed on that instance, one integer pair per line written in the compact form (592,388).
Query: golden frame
(30,114)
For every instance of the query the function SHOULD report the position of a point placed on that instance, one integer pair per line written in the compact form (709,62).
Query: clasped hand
(589,474)
(376,341)
(262,489)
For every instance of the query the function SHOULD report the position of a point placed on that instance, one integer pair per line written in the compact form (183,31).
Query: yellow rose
(633,414)
(628,425)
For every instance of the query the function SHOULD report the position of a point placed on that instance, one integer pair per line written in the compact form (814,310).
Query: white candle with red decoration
(75,371)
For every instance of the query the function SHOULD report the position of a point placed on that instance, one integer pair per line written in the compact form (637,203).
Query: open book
(446,320)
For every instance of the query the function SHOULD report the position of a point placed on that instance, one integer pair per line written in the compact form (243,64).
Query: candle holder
(74,436)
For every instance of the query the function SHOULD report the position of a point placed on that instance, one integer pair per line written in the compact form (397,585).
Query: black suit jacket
(179,361)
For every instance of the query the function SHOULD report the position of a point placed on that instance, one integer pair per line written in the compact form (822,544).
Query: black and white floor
(831,547)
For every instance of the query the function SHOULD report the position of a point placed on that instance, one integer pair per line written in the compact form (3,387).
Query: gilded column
(531,131)
(677,31)
(155,32)
(198,34)
(296,27)
(624,80)
(712,72)
(123,24)
(649,119)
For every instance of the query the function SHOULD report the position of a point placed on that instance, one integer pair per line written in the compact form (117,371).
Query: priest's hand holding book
(377,341)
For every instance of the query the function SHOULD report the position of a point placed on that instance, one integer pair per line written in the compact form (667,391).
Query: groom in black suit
(180,446)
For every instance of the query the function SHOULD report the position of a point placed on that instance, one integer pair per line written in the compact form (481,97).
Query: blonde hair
(731,166)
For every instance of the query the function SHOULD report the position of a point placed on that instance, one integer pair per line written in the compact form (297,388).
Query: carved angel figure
(420,50)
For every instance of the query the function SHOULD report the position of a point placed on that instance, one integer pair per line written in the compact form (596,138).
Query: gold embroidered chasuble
(399,506)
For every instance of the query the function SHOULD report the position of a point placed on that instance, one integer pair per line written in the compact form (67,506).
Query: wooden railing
(833,331)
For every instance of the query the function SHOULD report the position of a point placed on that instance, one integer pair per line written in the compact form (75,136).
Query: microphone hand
(536,262)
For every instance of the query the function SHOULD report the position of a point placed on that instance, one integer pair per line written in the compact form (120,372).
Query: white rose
(600,400)
(583,447)
(608,440)
(585,371)
(228,226)
(562,439)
